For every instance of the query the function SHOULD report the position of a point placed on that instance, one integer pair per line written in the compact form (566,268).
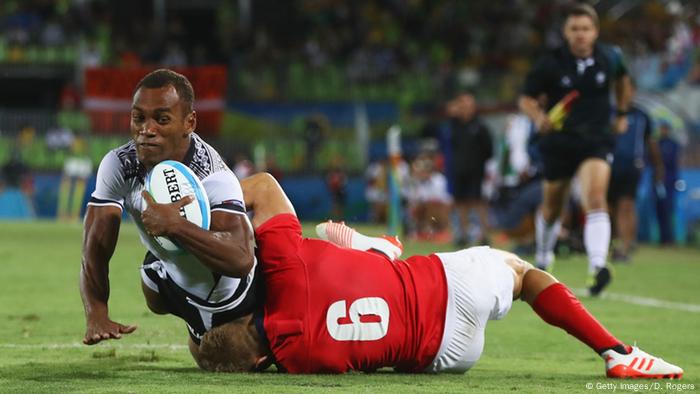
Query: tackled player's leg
(557,306)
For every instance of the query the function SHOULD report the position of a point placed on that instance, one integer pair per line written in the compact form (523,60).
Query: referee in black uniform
(585,142)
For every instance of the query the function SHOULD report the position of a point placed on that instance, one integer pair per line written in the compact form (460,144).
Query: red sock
(558,306)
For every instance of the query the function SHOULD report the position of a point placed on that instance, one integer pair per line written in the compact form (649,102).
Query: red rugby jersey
(331,309)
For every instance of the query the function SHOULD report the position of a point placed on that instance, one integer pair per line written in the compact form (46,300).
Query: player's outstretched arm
(531,107)
(226,248)
(99,240)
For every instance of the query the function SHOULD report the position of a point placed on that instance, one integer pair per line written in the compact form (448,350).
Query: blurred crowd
(453,43)
(323,50)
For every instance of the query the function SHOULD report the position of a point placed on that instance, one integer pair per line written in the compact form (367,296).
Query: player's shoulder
(205,160)
(550,59)
(123,160)
(610,52)
(608,47)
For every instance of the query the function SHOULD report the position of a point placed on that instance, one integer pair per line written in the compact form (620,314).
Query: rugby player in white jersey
(215,281)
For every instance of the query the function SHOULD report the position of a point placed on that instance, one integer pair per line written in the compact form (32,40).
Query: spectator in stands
(631,148)
(376,191)
(16,187)
(428,201)
(470,141)
(315,130)
(14,170)
(666,191)
(242,166)
(337,182)
(77,168)
(174,56)
(519,187)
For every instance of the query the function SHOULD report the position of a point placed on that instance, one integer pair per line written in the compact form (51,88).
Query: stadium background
(271,77)
(264,71)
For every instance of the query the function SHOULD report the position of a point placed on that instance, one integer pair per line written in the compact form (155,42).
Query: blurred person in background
(242,166)
(376,189)
(519,187)
(585,143)
(471,146)
(77,169)
(631,148)
(316,128)
(16,183)
(665,190)
(337,183)
(429,202)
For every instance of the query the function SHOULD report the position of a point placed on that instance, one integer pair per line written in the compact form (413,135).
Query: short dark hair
(164,77)
(582,9)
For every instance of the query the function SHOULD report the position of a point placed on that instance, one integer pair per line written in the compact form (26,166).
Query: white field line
(630,299)
(78,345)
(645,301)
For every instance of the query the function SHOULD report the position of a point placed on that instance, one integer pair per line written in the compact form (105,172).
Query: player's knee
(596,200)
(263,181)
(520,269)
(257,185)
(550,212)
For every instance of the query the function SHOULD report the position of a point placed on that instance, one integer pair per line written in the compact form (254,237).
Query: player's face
(160,126)
(580,33)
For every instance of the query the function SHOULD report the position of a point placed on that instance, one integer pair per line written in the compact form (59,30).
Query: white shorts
(479,288)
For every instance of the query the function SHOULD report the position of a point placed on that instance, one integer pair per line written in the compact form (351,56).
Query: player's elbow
(246,266)
(241,266)
(525,102)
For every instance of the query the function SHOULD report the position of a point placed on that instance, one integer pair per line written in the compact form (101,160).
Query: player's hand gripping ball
(168,182)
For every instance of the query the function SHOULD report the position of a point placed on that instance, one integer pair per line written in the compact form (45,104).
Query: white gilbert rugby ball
(170,181)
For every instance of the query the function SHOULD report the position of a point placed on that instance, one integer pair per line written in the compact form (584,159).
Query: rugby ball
(170,181)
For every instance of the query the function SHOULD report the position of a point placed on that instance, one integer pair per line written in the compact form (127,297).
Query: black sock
(620,348)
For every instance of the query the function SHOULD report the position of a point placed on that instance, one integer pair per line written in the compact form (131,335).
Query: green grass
(41,325)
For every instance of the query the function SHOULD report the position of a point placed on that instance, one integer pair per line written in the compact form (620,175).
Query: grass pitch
(42,323)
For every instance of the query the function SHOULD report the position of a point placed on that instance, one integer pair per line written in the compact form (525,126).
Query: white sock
(342,235)
(596,238)
(546,238)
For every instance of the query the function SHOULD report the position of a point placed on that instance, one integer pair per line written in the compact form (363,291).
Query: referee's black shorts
(623,183)
(563,152)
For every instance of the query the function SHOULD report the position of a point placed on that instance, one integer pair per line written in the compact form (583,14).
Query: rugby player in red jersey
(332,309)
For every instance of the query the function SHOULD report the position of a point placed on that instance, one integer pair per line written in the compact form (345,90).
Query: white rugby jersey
(120,180)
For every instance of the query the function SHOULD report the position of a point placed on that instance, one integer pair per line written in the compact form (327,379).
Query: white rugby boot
(638,364)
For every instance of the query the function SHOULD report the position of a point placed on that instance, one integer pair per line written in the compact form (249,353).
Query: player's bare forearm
(531,107)
(100,236)
(623,93)
(228,248)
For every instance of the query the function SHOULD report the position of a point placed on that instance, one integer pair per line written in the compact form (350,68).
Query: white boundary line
(630,299)
(78,345)
(644,301)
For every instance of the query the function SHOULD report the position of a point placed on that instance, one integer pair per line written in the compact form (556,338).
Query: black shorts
(563,152)
(189,307)
(468,186)
(624,184)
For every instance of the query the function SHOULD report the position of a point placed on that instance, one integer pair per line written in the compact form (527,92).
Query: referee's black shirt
(558,72)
